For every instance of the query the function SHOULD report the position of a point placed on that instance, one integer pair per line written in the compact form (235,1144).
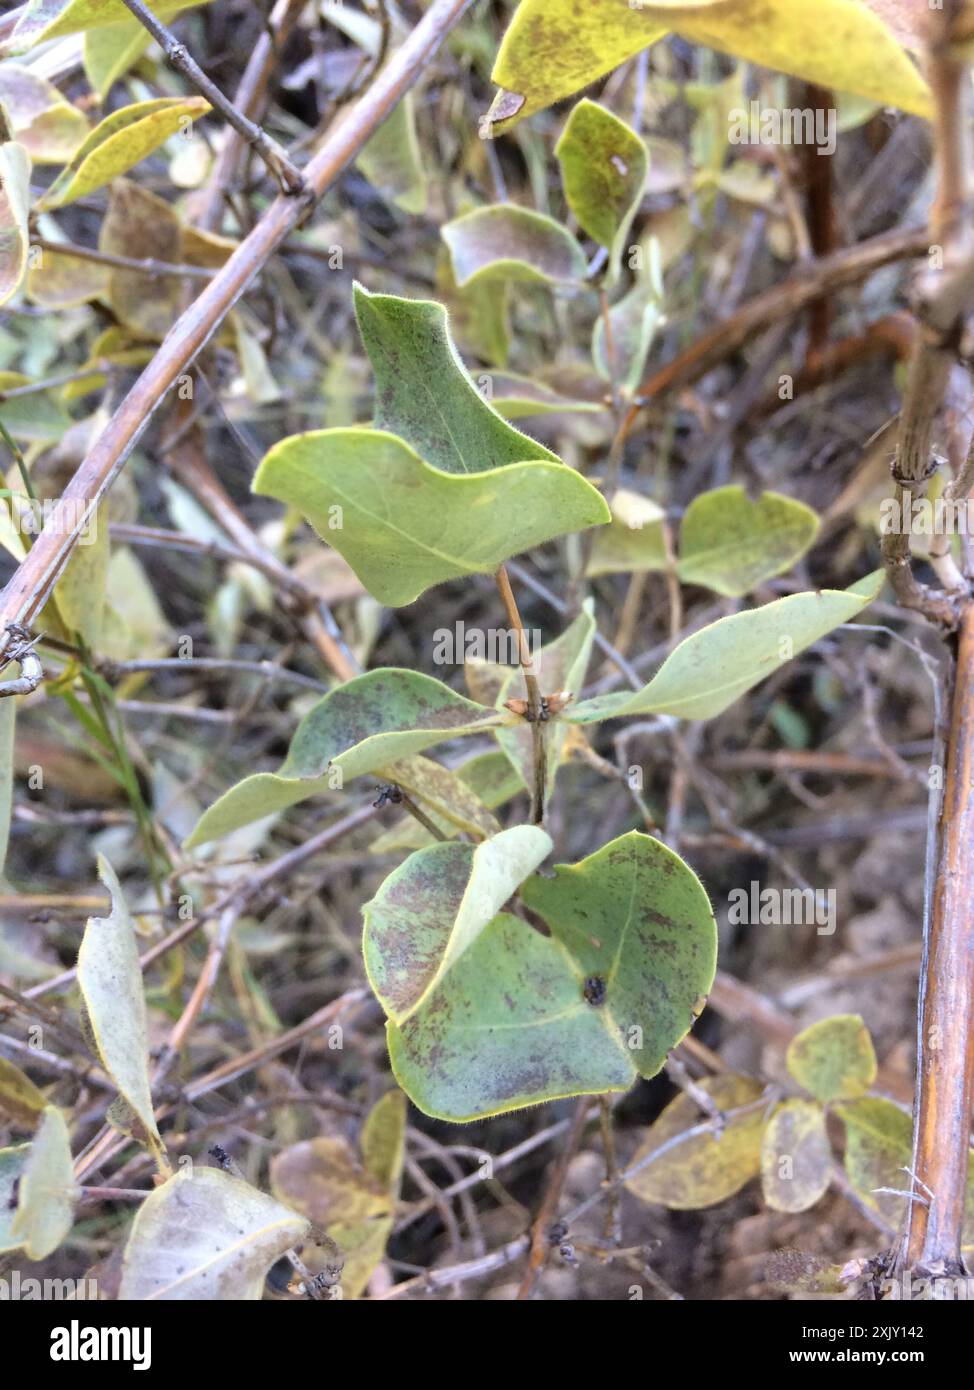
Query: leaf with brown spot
(517,1018)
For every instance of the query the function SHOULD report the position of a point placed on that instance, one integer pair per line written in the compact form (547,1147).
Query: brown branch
(31,585)
(833,273)
(289,177)
(536,708)
(249,99)
(945,1092)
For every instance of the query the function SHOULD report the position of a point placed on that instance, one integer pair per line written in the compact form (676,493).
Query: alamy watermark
(755,906)
(452,646)
(771,125)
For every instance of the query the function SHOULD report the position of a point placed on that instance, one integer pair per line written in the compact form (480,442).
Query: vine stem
(31,585)
(945,1014)
(289,177)
(945,1081)
(536,712)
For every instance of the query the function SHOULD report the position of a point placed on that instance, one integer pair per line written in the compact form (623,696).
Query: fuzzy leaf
(518,1018)
(603,168)
(110,980)
(432,909)
(551,50)
(47,1193)
(360,727)
(712,668)
(424,393)
(403,525)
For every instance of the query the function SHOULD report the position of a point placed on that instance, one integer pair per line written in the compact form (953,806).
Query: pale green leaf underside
(730,544)
(110,979)
(432,909)
(47,1191)
(368,724)
(508,242)
(711,669)
(405,525)
(205,1235)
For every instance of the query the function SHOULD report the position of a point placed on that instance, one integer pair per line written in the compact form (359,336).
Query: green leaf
(634,321)
(878,1153)
(796,1157)
(110,50)
(117,143)
(49,19)
(730,544)
(362,726)
(384,1140)
(517,1018)
(551,50)
(20,1101)
(47,1193)
(634,542)
(391,159)
(433,908)
(41,119)
(424,393)
(702,1169)
(834,1058)
(506,242)
(403,525)
(81,592)
(516,396)
(712,668)
(110,979)
(205,1235)
(603,169)
(14,210)
(37,418)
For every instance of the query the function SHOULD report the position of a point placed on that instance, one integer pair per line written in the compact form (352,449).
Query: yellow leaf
(551,50)
(14,205)
(120,141)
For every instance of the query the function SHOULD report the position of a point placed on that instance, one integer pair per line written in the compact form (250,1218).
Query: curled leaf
(205,1235)
(118,142)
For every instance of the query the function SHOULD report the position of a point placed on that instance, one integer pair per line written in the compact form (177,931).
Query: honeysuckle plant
(505,985)
(506,979)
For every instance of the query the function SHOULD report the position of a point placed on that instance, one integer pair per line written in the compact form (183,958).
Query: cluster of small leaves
(786,1142)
